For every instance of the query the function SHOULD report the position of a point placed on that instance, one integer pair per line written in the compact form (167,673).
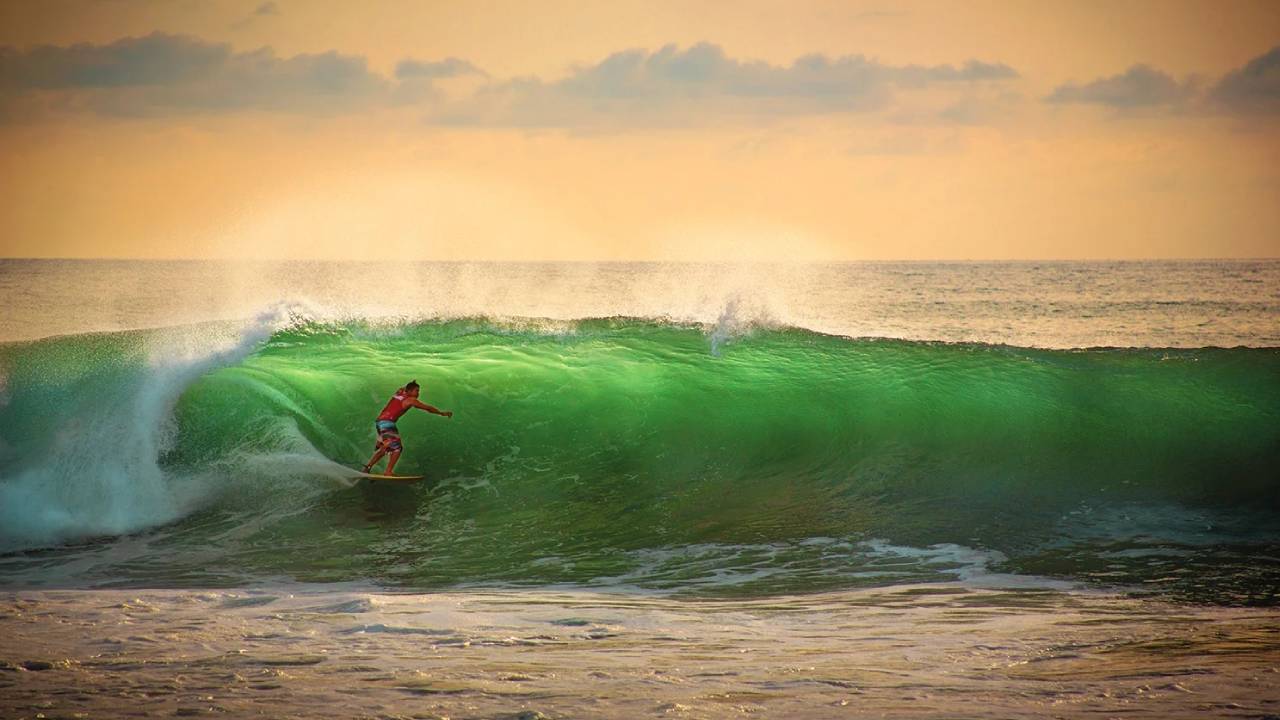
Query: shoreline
(932,650)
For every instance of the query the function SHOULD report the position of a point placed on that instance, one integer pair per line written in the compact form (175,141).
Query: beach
(928,651)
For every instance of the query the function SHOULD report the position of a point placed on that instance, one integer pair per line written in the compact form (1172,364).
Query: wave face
(646,453)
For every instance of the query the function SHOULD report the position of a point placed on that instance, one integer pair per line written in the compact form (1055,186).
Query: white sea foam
(100,473)
(811,562)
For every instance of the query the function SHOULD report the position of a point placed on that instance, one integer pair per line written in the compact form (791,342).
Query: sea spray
(93,421)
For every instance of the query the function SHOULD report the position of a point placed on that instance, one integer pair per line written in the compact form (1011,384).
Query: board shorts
(388,434)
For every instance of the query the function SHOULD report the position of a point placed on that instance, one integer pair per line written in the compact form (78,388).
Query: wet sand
(910,652)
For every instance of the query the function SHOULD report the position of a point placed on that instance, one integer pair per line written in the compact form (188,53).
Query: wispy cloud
(671,86)
(1141,86)
(159,74)
(448,68)
(266,9)
(1252,89)
(701,83)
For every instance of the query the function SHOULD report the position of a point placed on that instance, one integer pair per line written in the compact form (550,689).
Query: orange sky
(565,130)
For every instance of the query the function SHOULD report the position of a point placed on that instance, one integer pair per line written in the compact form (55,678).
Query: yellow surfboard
(391,478)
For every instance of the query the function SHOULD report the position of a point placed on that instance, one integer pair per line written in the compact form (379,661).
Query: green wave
(593,439)
(649,404)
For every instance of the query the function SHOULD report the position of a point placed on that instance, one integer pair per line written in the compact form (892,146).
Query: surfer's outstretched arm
(433,410)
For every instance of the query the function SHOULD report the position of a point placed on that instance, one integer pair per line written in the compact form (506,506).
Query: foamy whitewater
(777,484)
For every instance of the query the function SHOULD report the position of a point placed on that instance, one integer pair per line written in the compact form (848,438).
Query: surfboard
(391,478)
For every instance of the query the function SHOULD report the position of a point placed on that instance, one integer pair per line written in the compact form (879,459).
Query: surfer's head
(412,388)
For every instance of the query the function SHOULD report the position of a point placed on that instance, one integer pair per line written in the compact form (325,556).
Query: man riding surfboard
(388,435)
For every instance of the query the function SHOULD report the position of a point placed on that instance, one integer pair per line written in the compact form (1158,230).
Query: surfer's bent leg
(390,435)
(388,441)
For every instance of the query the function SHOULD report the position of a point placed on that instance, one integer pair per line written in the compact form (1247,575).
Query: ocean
(862,489)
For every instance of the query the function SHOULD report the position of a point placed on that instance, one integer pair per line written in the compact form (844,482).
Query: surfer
(388,436)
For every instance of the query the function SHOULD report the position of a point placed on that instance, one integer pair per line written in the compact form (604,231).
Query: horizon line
(674,261)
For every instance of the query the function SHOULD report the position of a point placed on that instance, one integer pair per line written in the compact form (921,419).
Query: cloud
(266,9)
(448,68)
(155,60)
(159,74)
(672,86)
(704,70)
(1253,89)
(1141,86)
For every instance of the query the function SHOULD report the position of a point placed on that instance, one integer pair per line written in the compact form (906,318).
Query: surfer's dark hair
(412,385)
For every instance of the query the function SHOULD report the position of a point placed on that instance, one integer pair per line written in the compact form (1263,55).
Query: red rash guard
(395,408)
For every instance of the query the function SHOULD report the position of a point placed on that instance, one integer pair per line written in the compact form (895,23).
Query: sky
(712,131)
